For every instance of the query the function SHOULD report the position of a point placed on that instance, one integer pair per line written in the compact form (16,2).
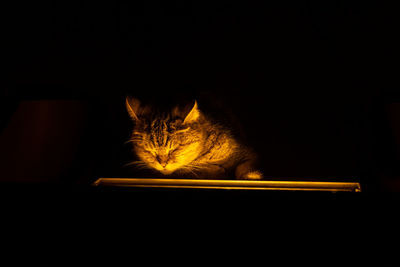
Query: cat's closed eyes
(184,142)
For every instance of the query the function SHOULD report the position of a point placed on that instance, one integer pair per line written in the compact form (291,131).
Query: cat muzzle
(166,172)
(163,160)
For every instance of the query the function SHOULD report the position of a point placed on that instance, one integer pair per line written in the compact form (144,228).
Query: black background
(310,81)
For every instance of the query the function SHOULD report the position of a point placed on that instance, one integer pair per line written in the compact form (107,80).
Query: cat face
(166,142)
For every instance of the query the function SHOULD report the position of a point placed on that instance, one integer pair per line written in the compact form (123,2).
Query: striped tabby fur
(184,142)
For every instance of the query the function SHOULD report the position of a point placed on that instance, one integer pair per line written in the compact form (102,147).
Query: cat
(185,142)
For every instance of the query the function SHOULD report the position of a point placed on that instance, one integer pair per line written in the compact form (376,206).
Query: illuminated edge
(230,184)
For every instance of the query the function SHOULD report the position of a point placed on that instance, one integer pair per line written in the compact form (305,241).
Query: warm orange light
(188,144)
(231,184)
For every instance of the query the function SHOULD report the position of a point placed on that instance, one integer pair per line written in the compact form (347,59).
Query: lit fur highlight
(187,143)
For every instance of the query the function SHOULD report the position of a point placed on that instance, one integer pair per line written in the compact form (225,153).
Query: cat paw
(253,175)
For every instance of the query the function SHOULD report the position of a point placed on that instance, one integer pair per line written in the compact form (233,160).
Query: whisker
(138,164)
(192,166)
(134,140)
(189,169)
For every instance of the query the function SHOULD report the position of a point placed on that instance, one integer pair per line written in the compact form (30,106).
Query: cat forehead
(169,124)
(163,122)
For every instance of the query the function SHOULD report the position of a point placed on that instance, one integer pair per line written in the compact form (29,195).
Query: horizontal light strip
(230,184)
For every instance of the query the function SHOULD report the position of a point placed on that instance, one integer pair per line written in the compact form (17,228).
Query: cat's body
(186,143)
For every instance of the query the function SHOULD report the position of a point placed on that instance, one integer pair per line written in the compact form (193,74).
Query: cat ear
(193,115)
(132,106)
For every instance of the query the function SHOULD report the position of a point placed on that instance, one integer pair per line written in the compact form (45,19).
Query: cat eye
(174,150)
(148,153)
(182,130)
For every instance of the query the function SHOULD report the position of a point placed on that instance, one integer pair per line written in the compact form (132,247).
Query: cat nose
(162,160)
(163,164)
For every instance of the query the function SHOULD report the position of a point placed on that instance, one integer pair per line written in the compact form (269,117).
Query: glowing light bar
(230,184)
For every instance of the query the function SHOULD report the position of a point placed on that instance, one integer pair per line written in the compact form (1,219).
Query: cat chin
(166,172)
